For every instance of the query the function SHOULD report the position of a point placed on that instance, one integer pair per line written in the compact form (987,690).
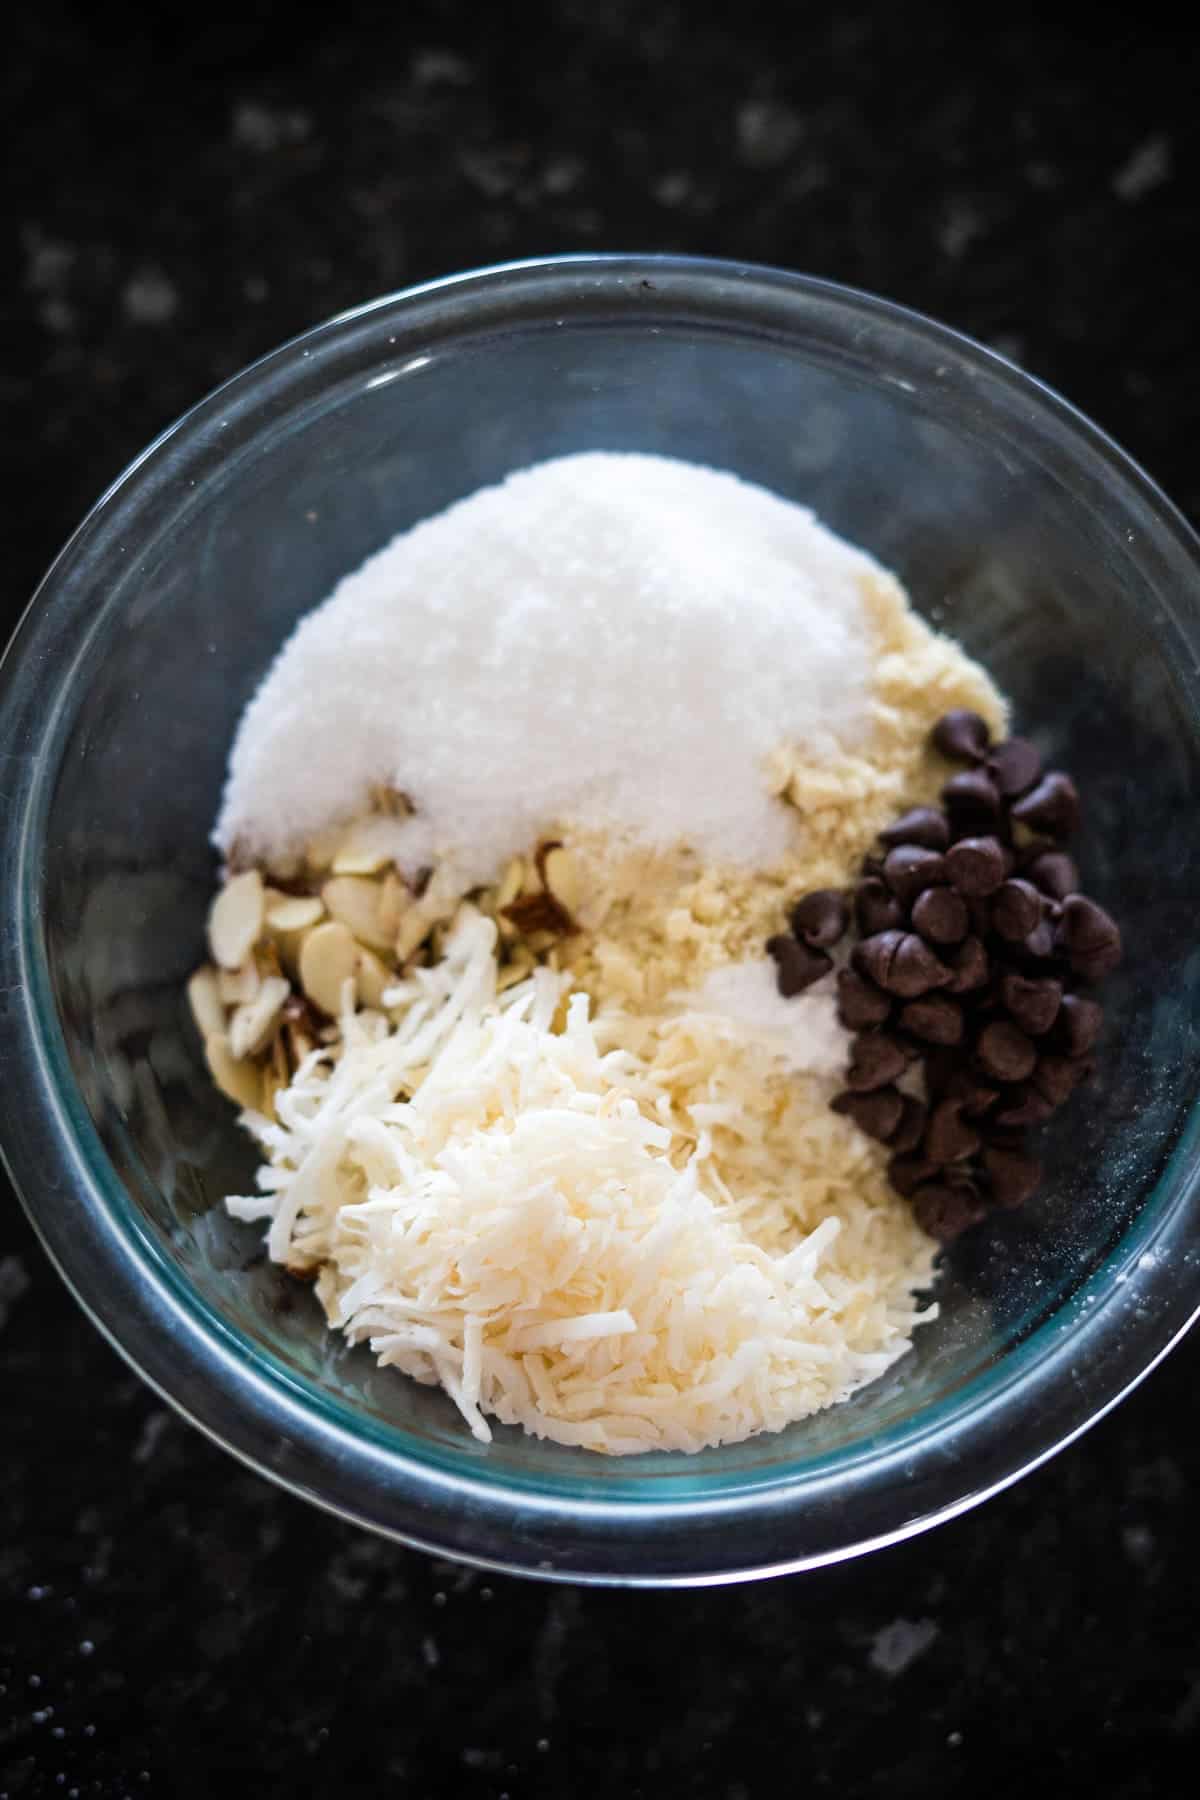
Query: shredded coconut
(624,1250)
(616,639)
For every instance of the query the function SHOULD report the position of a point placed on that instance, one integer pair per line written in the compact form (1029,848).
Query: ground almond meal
(519,1131)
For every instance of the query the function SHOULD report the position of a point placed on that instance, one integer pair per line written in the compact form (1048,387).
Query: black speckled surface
(184,196)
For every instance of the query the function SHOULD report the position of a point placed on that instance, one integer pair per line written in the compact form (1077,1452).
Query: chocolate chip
(899,963)
(946,1212)
(1054,872)
(961,735)
(1091,938)
(940,915)
(972,801)
(796,965)
(1078,1024)
(1057,1077)
(1032,1002)
(969,967)
(911,1129)
(924,825)
(976,1096)
(878,1114)
(1007,1137)
(875,1060)
(980,912)
(1016,910)
(1095,966)
(909,870)
(820,918)
(876,908)
(1014,766)
(906,1173)
(1038,947)
(1052,807)
(976,865)
(873,956)
(948,1136)
(916,969)
(860,1002)
(934,1019)
(1003,1051)
(1014,1175)
(1022,1106)
(940,1066)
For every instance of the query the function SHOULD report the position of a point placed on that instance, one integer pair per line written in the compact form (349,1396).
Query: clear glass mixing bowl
(1016,525)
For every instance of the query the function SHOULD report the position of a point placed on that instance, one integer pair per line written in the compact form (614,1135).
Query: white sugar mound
(611,640)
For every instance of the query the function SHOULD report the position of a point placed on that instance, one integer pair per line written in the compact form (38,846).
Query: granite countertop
(182,199)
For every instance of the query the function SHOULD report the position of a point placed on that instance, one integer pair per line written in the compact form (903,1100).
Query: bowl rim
(959,1457)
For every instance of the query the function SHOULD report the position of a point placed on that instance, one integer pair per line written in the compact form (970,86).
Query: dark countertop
(181,199)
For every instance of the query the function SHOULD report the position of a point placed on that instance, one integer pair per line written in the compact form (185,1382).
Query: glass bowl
(1017,526)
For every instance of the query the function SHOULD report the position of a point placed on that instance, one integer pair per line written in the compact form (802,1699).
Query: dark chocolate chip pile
(973,941)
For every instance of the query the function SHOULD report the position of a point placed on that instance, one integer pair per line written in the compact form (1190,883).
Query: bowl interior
(1031,551)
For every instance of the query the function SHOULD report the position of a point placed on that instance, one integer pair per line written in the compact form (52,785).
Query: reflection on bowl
(1015,525)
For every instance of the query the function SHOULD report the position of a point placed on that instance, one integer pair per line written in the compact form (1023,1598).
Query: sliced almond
(563,878)
(251,1026)
(279,1060)
(237,1080)
(236,986)
(354,902)
(365,848)
(394,902)
(320,850)
(293,912)
(359,862)
(288,945)
(510,884)
(372,978)
(328,959)
(204,998)
(415,927)
(236,921)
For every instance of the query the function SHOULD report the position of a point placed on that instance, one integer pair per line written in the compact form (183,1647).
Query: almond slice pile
(286,960)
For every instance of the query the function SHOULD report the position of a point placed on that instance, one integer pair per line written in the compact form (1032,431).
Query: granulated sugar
(617,641)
